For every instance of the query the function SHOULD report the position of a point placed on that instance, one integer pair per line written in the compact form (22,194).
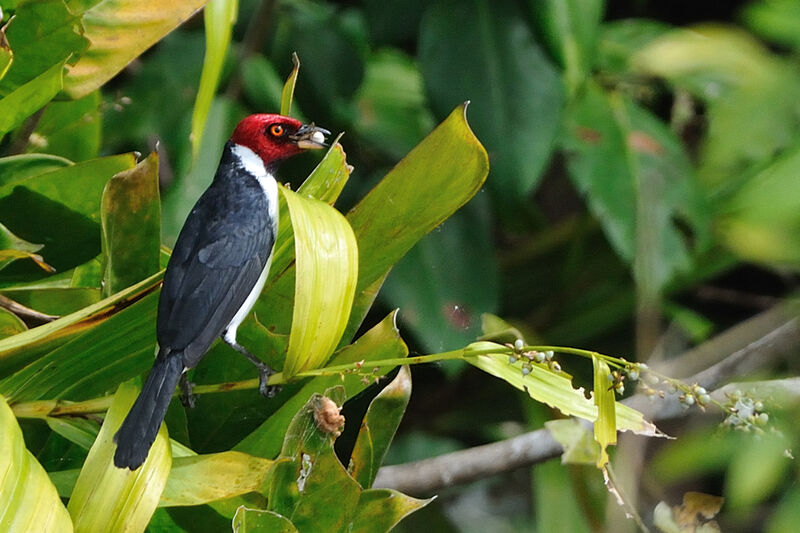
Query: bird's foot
(187,398)
(264,372)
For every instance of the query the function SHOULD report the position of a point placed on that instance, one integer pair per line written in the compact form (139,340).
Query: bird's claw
(186,396)
(264,372)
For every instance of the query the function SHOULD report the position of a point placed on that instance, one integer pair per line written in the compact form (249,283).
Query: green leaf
(10,324)
(761,221)
(200,479)
(18,168)
(119,31)
(378,428)
(93,362)
(554,389)
(744,87)
(579,445)
(261,83)
(107,498)
(392,111)
(28,499)
(379,510)
(327,270)
(80,431)
(28,98)
(381,342)
(441,299)
(619,156)
(287,94)
(569,29)
(22,348)
(13,248)
(256,520)
(219,17)
(775,20)
(621,40)
(131,222)
(450,165)
(605,427)
(70,129)
(757,470)
(78,187)
(43,35)
(484,52)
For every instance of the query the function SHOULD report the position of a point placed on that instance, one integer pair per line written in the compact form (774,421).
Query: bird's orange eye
(276,130)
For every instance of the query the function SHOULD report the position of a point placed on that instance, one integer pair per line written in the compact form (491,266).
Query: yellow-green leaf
(130,218)
(605,427)
(200,479)
(288,88)
(120,30)
(327,269)
(10,324)
(110,499)
(257,520)
(30,97)
(556,390)
(6,54)
(219,17)
(28,500)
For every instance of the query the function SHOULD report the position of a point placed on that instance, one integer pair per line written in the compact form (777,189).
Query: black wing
(218,258)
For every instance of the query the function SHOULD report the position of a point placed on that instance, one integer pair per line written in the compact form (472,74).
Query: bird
(216,271)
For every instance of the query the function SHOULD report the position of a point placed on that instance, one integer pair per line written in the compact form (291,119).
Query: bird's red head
(276,137)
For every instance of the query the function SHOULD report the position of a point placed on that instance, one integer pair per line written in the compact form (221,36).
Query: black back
(218,258)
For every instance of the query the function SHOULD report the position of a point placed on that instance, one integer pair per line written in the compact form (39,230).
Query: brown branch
(753,353)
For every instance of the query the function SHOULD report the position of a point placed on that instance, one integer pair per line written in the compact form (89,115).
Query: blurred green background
(644,195)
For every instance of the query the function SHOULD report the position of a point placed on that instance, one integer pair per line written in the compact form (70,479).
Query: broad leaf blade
(449,165)
(379,510)
(120,30)
(327,269)
(200,479)
(28,498)
(219,17)
(107,498)
(130,216)
(378,428)
(28,98)
(10,324)
(484,51)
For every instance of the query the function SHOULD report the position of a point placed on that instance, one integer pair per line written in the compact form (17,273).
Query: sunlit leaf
(327,270)
(576,439)
(28,98)
(43,35)
(605,426)
(546,386)
(28,498)
(131,222)
(378,428)
(485,52)
(428,171)
(288,88)
(6,54)
(201,479)
(257,520)
(107,498)
(120,30)
(219,17)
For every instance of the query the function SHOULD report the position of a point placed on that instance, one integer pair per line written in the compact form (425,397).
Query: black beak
(310,137)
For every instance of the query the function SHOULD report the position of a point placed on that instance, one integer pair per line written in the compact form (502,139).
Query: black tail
(139,429)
